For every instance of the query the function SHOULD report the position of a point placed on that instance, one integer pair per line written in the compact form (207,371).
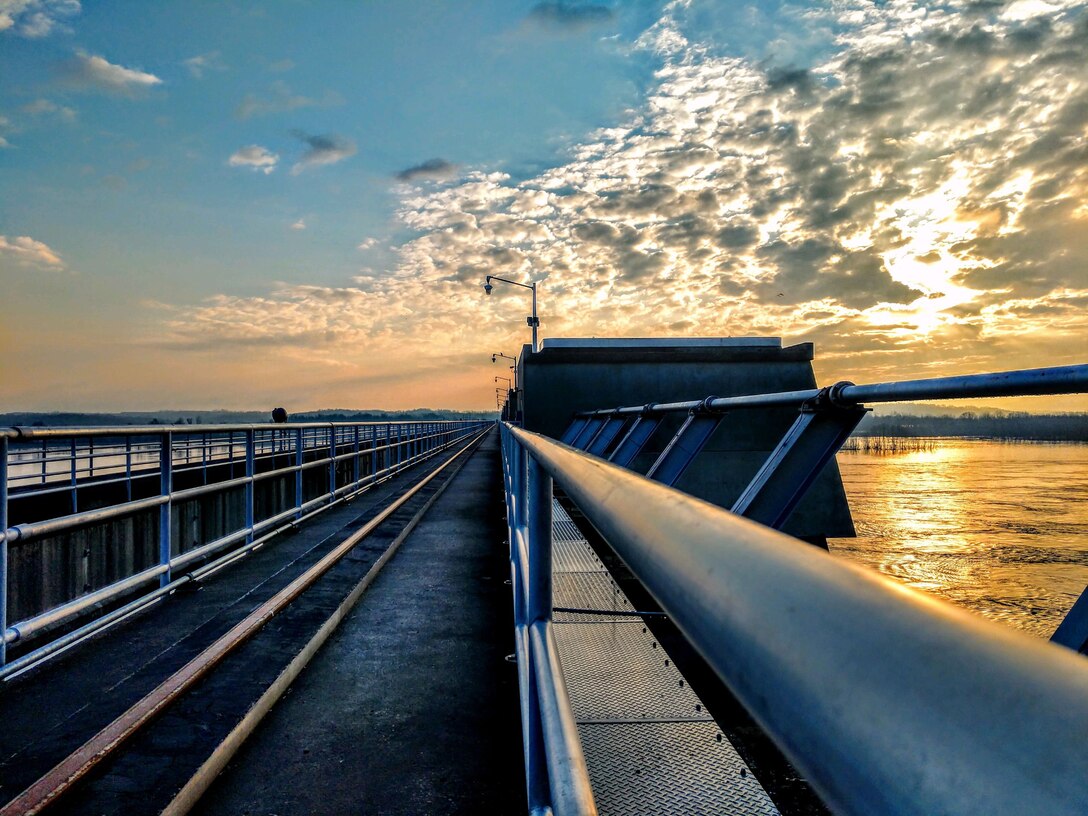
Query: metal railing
(888,700)
(215,460)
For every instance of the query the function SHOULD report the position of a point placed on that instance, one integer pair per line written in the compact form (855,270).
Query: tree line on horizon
(1071,427)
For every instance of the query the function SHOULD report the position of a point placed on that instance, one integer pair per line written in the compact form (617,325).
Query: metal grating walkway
(650,745)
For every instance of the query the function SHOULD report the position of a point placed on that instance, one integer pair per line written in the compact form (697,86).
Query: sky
(241,204)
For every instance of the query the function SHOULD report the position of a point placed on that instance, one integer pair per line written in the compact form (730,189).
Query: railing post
(128,468)
(3,548)
(299,459)
(374,451)
(75,490)
(166,487)
(45,460)
(332,462)
(356,473)
(250,491)
(538,511)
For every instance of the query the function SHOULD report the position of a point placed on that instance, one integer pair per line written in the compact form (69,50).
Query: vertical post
(3,548)
(250,492)
(128,468)
(374,452)
(204,456)
(298,473)
(166,487)
(45,459)
(74,476)
(332,462)
(536,320)
(356,474)
(90,457)
(538,507)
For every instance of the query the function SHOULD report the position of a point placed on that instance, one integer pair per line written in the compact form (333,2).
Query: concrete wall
(577,375)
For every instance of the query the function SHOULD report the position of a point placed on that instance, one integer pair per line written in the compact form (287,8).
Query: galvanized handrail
(385,447)
(888,700)
(1071,379)
(556,777)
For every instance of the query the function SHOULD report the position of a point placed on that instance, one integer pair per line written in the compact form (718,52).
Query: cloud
(91,72)
(201,64)
(558,15)
(299,225)
(256,158)
(36,18)
(326,149)
(430,170)
(911,200)
(44,107)
(25,251)
(367,243)
(281,99)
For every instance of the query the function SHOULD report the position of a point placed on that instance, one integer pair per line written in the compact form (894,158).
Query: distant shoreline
(970,425)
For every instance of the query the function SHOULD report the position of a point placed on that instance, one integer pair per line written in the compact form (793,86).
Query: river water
(998,528)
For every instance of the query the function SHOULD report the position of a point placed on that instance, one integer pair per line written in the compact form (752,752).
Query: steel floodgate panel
(650,745)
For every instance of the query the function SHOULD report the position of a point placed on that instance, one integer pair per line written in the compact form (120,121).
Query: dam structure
(616,599)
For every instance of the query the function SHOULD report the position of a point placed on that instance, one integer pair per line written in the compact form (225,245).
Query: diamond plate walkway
(650,745)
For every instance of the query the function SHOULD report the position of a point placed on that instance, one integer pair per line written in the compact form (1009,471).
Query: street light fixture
(532,321)
(514,367)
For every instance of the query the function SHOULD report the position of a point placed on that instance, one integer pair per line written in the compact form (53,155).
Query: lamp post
(533,321)
(514,367)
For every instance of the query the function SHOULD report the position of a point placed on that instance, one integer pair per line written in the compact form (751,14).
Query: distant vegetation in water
(888,444)
(1008,426)
(219,417)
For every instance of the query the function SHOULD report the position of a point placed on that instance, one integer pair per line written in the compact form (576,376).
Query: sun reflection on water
(999,528)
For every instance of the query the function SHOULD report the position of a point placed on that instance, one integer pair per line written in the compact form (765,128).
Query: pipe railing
(1028,382)
(888,700)
(374,451)
(556,777)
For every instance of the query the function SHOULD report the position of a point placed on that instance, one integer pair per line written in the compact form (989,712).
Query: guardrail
(888,700)
(345,458)
(555,769)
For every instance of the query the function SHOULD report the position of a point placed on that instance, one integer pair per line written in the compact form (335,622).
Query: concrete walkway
(410,707)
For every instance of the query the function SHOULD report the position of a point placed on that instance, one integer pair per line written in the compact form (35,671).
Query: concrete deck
(410,707)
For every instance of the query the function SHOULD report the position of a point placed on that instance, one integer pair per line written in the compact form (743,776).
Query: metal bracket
(814,438)
(686,444)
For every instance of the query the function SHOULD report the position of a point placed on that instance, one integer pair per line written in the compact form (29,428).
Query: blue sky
(231,204)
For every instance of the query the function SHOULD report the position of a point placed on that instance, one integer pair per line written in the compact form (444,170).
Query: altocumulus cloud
(25,251)
(92,72)
(35,18)
(256,158)
(915,196)
(326,149)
